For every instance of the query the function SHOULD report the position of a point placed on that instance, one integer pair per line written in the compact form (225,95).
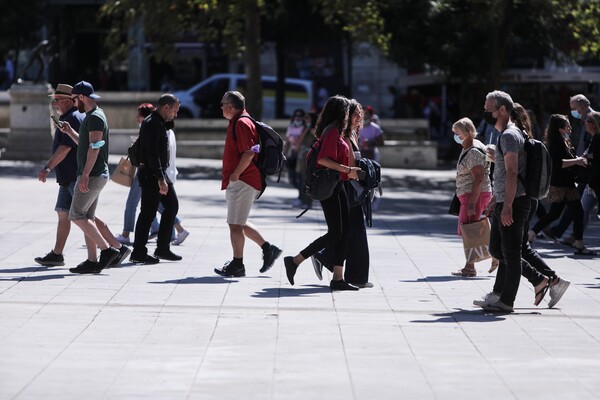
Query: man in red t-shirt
(242,183)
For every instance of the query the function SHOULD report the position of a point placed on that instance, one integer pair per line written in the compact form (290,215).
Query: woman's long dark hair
(521,118)
(354,106)
(553,137)
(334,113)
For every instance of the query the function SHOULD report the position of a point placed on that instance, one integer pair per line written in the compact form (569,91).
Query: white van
(203,99)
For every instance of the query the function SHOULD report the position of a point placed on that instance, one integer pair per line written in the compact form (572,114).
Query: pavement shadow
(462,316)
(35,278)
(210,280)
(306,290)
(23,270)
(447,278)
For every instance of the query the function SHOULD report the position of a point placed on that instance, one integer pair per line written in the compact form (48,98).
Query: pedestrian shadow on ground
(447,278)
(35,278)
(462,316)
(24,270)
(199,280)
(305,290)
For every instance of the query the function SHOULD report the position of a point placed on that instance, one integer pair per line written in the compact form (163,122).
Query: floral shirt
(468,159)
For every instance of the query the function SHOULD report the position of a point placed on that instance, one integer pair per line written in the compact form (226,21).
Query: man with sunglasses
(64,162)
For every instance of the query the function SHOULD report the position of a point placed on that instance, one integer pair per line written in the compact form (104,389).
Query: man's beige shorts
(240,196)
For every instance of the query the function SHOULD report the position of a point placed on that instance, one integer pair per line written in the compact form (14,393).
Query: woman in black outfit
(562,183)
(357,249)
(334,154)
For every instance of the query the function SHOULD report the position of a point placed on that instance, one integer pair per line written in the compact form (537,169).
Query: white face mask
(297,123)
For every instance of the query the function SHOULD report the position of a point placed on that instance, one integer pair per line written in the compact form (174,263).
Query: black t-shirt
(66,170)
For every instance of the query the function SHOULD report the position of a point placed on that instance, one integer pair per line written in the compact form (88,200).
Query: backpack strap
(467,152)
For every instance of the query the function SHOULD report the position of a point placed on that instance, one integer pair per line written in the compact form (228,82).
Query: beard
(81,107)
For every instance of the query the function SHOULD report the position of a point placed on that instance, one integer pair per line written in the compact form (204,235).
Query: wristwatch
(47,168)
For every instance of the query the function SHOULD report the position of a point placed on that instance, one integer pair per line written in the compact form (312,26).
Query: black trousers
(151,198)
(335,209)
(535,268)
(357,248)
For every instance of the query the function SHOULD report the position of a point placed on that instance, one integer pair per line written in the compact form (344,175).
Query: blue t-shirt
(66,170)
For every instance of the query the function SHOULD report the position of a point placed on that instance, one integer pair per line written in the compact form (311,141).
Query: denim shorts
(65,196)
(240,196)
(84,204)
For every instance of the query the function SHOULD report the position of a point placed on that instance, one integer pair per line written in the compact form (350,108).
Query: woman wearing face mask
(562,183)
(473,186)
(293,134)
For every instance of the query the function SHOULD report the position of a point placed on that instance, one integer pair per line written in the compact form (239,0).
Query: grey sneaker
(486,300)
(557,290)
(318,267)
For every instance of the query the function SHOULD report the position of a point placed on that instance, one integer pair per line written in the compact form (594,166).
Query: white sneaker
(123,240)
(557,290)
(487,300)
(180,238)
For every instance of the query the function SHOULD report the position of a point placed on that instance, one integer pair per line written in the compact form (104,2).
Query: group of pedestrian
(501,195)
(80,156)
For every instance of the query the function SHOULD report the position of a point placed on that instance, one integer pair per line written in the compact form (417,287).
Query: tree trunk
(252,58)
(502,31)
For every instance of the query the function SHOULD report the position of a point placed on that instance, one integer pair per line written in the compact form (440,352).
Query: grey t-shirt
(511,140)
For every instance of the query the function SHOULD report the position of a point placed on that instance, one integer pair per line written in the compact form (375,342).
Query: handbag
(124,173)
(476,240)
(454,206)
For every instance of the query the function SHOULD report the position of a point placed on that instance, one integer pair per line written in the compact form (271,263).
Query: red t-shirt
(334,148)
(247,137)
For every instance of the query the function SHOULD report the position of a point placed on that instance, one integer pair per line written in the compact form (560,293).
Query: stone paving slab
(177,331)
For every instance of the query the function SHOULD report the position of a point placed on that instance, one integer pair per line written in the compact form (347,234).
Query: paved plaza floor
(175,330)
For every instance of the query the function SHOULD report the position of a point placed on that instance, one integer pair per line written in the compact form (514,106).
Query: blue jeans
(505,245)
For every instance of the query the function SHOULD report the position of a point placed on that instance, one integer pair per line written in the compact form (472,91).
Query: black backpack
(319,182)
(538,168)
(271,159)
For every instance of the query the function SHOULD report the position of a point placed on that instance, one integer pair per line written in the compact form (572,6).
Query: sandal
(584,251)
(539,295)
(494,266)
(466,272)
(570,241)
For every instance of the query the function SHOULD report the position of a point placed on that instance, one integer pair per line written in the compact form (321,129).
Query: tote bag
(476,240)
(124,173)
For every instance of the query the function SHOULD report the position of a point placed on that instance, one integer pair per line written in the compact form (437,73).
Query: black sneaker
(167,255)
(290,268)
(51,260)
(107,256)
(145,259)
(229,270)
(269,258)
(124,251)
(86,267)
(341,285)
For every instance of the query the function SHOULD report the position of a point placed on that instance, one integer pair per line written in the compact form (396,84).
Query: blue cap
(84,88)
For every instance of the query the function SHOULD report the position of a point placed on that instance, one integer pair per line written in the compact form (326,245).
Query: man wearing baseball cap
(64,162)
(92,176)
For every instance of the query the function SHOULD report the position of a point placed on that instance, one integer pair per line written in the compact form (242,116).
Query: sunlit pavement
(176,330)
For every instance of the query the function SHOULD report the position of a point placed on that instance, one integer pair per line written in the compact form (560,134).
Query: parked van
(203,99)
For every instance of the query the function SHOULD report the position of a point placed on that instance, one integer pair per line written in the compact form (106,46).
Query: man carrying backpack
(242,182)
(509,206)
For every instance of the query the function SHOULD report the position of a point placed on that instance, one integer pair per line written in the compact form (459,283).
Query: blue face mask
(575,114)
(457,139)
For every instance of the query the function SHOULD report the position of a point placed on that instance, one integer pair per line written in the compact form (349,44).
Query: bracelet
(349,168)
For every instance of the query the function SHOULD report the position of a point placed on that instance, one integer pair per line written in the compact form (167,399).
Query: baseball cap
(84,88)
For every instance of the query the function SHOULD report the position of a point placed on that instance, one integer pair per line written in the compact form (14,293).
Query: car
(203,99)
